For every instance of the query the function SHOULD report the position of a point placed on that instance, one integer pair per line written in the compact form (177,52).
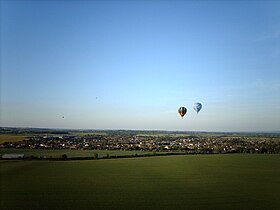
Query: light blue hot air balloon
(197,107)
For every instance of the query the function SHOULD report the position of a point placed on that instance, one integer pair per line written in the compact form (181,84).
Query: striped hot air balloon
(182,111)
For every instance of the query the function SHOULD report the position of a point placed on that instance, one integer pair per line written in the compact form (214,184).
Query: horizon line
(146,130)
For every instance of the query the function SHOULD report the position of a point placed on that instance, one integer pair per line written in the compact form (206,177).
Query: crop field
(12,137)
(173,182)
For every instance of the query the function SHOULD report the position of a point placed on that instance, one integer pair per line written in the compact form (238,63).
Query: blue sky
(132,64)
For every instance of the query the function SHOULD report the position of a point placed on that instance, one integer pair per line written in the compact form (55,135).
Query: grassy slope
(175,182)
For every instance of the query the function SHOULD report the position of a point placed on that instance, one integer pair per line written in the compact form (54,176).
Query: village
(188,144)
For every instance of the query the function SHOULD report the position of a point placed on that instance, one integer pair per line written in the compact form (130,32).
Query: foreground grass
(174,182)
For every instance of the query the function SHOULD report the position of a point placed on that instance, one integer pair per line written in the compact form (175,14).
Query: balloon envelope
(197,107)
(182,111)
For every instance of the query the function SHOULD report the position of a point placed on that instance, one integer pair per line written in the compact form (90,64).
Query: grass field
(174,182)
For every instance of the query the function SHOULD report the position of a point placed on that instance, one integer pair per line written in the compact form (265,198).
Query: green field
(172,182)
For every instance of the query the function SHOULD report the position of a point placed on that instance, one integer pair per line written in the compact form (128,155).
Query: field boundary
(65,158)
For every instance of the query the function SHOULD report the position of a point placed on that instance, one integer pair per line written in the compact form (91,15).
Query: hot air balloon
(182,111)
(197,107)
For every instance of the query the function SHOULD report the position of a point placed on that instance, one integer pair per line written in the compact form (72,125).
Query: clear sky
(132,64)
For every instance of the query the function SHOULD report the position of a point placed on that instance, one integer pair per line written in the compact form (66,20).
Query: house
(13,156)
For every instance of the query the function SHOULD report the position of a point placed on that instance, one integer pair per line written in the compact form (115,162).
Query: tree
(64,156)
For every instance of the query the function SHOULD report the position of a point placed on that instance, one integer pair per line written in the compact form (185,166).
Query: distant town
(157,141)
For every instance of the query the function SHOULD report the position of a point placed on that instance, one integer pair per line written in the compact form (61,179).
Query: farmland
(12,138)
(228,181)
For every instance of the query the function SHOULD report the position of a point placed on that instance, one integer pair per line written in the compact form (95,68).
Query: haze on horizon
(132,64)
